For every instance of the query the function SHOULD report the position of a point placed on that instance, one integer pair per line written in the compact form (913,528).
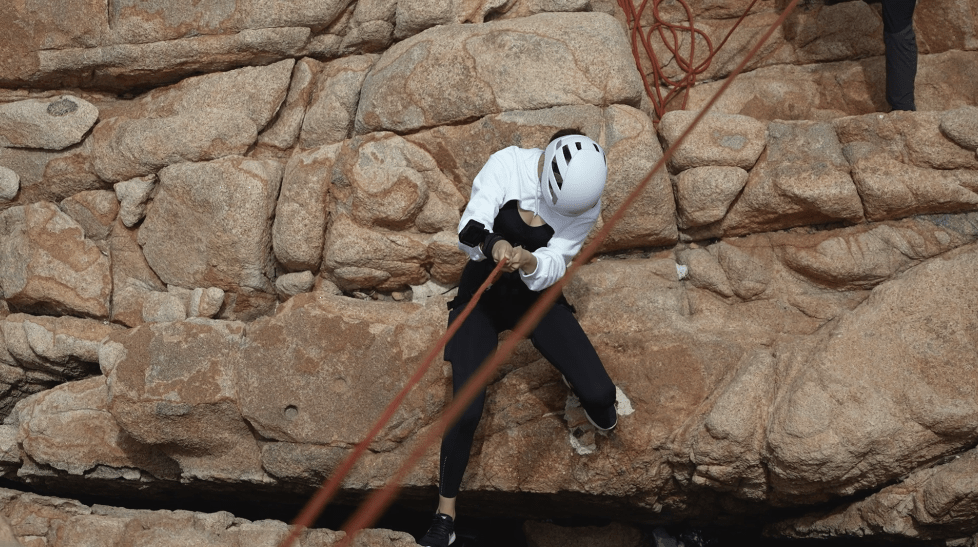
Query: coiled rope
(370,510)
(672,35)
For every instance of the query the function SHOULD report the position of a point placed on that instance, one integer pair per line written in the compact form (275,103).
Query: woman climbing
(533,207)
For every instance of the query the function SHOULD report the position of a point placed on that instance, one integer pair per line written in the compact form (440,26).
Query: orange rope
(380,500)
(329,488)
(671,35)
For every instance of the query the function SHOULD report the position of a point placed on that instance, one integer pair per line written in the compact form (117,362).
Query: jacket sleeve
(553,259)
(488,193)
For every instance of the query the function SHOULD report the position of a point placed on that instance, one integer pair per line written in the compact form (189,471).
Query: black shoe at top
(441,533)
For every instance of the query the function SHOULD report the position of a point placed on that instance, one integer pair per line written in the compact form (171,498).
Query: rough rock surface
(724,140)
(801,317)
(48,266)
(929,504)
(9,184)
(210,224)
(232,252)
(51,175)
(49,124)
(438,77)
(33,519)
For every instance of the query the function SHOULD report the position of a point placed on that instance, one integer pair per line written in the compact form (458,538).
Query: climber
(901,53)
(534,208)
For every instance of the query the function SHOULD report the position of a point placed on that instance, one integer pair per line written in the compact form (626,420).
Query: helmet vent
(578,145)
(567,154)
(557,176)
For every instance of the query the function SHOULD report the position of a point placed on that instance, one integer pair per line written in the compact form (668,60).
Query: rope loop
(672,35)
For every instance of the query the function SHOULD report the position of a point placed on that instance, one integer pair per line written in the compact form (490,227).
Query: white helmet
(574,172)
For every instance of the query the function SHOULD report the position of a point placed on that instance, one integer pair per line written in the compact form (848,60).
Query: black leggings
(559,338)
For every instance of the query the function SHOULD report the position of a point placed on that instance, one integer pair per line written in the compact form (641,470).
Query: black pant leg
(901,53)
(560,339)
(475,340)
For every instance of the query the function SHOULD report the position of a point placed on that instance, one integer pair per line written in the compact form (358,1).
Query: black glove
(475,233)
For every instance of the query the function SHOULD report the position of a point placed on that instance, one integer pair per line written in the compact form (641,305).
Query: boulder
(718,139)
(356,257)
(108,60)
(333,106)
(95,211)
(51,175)
(946,25)
(396,185)
(291,284)
(455,73)
(314,399)
(79,411)
(210,224)
(131,148)
(282,132)
(370,28)
(802,178)
(47,265)
(27,516)
(903,165)
(133,195)
(301,212)
(839,428)
(936,503)
(381,182)
(184,406)
(62,347)
(9,184)
(135,22)
(50,124)
(704,194)
(201,118)
(256,92)
(834,32)
(961,126)
(205,303)
(869,254)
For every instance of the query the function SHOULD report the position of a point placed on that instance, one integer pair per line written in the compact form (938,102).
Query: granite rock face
(228,237)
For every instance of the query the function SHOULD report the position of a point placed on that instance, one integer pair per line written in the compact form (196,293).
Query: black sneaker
(441,533)
(613,420)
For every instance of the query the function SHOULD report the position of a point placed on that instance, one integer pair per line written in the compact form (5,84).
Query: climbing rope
(671,35)
(369,511)
(318,502)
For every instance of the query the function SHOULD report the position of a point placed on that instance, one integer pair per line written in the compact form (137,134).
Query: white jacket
(511,174)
